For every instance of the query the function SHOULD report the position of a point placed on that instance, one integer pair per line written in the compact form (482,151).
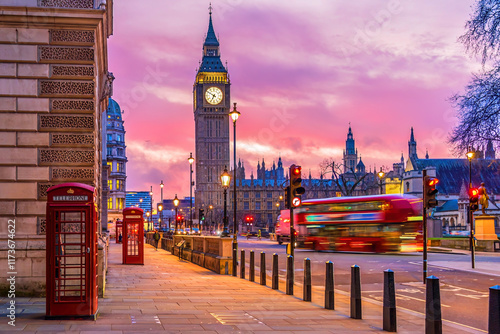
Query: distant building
(116,161)
(133,198)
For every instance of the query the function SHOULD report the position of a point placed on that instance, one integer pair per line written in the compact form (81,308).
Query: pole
(424,232)
(151,215)
(175,232)
(470,218)
(225,233)
(292,233)
(191,196)
(235,235)
(161,211)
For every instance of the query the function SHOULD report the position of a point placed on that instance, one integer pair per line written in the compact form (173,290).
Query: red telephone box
(119,232)
(71,251)
(133,236)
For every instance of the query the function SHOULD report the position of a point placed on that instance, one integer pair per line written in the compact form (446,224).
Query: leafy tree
(478,108)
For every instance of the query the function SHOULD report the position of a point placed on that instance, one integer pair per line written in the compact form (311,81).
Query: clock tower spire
(211,105)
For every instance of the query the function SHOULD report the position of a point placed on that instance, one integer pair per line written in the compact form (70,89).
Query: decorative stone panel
(42,224)
(72,71)
(70,105)
(52,87)
(66,122)
(69,156)
(42,190)
(71,139)
(66,53)
(82,36)
(86,4)
(72,173)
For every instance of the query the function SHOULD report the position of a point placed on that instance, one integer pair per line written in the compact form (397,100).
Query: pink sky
(300,72)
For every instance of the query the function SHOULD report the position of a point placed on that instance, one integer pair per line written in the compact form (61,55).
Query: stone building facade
(54,84)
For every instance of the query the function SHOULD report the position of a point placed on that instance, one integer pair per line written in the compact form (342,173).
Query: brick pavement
(174,296)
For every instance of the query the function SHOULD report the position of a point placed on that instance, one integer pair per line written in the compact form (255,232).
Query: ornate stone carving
(71,139)
(42,225)
(107,90)
(66,156)
(89,4)
(42,190)
(79,105)
(70,122)
(83,36)
(72,173)
(66,53)
(51,87)
(72,71)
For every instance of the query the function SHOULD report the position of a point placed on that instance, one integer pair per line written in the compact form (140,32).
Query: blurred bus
(378,223)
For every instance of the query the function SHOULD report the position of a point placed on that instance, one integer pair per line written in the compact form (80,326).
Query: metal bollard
(389,313)
(355,292)
(433,322)
(251,274)
(262,268)
(494,310)
(275,278)
(242,261)
(329,284)
(307,293)
(289,275)
(235,261)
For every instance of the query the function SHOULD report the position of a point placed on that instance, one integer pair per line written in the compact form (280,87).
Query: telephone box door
(133,236)
(71,277)
(119,232)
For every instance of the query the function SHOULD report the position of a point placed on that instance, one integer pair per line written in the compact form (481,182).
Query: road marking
(422,300)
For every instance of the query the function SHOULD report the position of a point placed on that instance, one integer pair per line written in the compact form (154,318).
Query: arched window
(452,221)
(407,187)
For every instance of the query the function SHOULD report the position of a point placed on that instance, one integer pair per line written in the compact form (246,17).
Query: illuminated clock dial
(213,95)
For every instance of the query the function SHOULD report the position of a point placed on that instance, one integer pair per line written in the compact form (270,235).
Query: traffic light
(296,189)
(474,199)
(249,220)
(202,214)
(430,192)
(287,197)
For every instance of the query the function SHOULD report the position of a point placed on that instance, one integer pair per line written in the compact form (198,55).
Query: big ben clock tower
(211,102)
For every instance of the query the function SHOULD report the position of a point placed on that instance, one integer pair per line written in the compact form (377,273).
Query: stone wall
(53,70)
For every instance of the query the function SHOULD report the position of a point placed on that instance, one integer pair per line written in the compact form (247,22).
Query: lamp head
(470,155)
(191,159)
(234,113)
(225,178)
(176,201)
(161,184)
(381,174)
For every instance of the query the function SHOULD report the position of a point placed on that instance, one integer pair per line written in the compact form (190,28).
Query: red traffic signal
(296,188)
(430,191)
(179,217)
(474,199)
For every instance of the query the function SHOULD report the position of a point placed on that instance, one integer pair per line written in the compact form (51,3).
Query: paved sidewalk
(170,295)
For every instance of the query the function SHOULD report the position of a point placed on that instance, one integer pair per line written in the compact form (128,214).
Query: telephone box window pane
(70,256)
(133,239)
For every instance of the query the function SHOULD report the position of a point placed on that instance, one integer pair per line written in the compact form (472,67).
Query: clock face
(213,95)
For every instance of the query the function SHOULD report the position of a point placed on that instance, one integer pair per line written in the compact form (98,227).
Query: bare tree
(478,108)
(345,182)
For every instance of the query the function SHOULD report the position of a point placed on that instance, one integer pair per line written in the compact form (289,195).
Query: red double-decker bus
(379,223)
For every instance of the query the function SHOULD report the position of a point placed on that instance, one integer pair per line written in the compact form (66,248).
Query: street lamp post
(176,204)
(225,180)
(148,214)
(234,116)
(161,205)
(211,208)
(191,160)
(381,175)
(470,214)
(151,195)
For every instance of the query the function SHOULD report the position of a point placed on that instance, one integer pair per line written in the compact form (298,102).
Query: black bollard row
(289,275)
(262,268)
(242,261)
(307,293)
(235,261)
(433,322)
(389,312)
(251,274)
(494,310)
(329,287)
(355,293)
(275,277)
